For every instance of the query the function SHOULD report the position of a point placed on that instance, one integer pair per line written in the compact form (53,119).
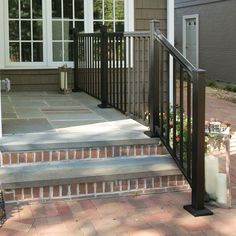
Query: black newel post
(154,77)
(197,207)
(104,68)
(75,55)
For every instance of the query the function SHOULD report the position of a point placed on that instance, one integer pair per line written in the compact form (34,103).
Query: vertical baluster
(174,107)
(87,55)
(121,75)
(189,126)
(138,77)
(90,66)
(143,79)
(129,74)
(113,71)
(109,68)
(167,99)
(181,113)
(125,73)
(133,78)
(96,64)
(117,72)
(162,89)
(93,63)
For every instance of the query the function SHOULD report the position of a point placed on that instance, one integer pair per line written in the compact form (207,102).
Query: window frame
(48,62)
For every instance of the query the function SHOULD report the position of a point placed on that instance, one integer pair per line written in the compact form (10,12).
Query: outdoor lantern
(63,75)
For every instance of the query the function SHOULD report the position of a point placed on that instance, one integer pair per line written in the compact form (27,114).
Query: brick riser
(160,184)
(29,157)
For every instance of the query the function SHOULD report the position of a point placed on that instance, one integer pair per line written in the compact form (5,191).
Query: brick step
(15,155)
(87,178)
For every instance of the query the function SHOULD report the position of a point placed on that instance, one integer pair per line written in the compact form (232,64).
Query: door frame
(185,18)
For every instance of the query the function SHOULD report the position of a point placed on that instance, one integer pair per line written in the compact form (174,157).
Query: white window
(25,24)
(66,15)
(38,33)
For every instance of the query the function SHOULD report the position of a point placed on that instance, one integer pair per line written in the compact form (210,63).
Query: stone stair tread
(66,172)
(65,141)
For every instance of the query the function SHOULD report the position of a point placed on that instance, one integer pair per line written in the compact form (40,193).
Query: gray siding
(217,35)
(34,79)
(146,10)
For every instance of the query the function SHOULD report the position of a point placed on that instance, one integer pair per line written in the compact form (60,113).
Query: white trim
(186,17)
(2,40)
(129,15)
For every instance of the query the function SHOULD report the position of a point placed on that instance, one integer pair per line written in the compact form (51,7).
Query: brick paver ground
(160,214)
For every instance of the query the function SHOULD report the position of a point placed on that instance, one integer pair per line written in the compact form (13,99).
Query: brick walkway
(160,214)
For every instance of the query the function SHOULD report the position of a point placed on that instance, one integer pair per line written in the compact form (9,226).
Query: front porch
(74,116)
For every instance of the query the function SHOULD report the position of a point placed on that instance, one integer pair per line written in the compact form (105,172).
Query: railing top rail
(126,34)
(98,34)
(137,34)
(175,53)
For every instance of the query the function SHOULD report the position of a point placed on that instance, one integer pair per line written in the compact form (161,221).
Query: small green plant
(230,87)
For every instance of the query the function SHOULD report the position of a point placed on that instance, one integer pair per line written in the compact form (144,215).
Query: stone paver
(160,214)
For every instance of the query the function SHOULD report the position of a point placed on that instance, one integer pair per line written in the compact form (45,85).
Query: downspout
(171,38)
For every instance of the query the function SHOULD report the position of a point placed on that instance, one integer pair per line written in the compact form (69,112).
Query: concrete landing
(47,118)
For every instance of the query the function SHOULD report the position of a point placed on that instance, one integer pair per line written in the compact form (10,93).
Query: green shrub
(230,87)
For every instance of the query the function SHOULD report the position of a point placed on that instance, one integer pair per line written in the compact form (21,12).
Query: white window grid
(20,40)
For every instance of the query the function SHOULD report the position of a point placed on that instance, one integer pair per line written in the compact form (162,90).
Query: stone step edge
(99,152)
(156,184)
(47,145)
(86,171)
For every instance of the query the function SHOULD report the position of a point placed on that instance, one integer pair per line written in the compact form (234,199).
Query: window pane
(25,8)
(108,10)
(97,26)
(13,8)
(79,25)
(57,51)
(25,30)
(97,9)
(120,27)
(68,51)
(119,10)
(57,30)
(109,25)
(14,52)
(37,9)
(26,52)
(38,51)
(37,30)
(68,12)
(14,30)
(68,30)
(79,9)
(56,8)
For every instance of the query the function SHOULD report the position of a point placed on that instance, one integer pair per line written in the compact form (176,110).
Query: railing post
(197,207)
(153,79)
(76,60)
(104,68)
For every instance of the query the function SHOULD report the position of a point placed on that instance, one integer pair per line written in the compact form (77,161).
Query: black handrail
(178,116)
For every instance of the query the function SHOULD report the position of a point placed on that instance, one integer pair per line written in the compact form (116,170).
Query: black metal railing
(177,112)
(133,72)
(113,67)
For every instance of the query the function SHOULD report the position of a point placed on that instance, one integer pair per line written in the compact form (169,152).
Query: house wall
(217,33)
(47,79)
(146,10)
